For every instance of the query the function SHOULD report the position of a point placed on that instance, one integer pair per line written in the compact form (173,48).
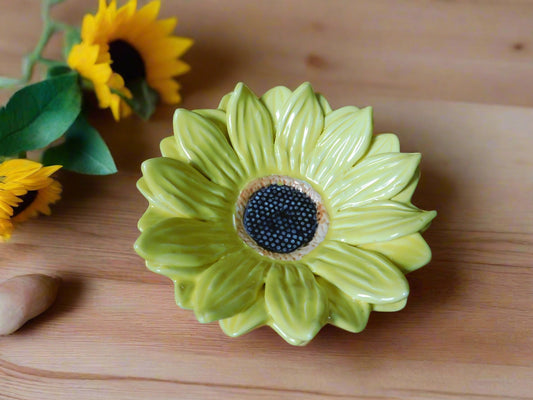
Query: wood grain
(461,50)
(466,333)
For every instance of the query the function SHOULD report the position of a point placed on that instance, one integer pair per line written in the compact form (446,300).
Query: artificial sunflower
(280,211)
(26,189)
(123,46)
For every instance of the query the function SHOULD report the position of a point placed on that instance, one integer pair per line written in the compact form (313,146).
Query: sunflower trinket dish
(279,211)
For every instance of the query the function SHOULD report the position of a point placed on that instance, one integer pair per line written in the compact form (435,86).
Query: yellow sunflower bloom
(120,46)
(26,189)
(281,211)
(83,58)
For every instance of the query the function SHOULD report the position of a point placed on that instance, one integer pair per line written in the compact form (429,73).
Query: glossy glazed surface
(189,231)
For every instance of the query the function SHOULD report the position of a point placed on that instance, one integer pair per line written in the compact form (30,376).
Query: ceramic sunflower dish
(280,211)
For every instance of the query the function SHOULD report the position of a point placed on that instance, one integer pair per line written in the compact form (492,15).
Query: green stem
(35,55)
(60,26)
(49,62)
(50,27)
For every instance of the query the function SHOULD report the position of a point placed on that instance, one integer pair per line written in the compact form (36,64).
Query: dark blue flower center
(280,218)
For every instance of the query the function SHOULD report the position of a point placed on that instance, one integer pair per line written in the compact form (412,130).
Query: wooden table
(454,79)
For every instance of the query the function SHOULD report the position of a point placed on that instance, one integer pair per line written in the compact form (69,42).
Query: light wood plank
(115,326)
(115,331)
(431,49)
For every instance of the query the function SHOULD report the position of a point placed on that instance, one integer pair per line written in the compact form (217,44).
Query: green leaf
(38,114)
(144,98)
(71,37)
(83,151)
(56,70)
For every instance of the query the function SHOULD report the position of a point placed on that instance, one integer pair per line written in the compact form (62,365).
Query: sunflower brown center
(27,199)
(127,61)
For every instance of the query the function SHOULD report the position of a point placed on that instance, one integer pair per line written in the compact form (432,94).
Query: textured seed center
(280,218)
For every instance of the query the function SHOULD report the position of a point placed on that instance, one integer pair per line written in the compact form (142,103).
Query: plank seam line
(13,370)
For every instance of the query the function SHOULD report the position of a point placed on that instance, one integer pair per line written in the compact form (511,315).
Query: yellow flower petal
(114,105)
(217,296)
(408,253)
(125,12)
(182,242)
(163,70)
(168,90)
(217,117)
(390,307)
(346,137)
(11,190)
(344,312)
(184,280)
(223,104)
(6,229)
(18,169)
(297,304)
(146,192)
(152,216)
(378,222)
(275,100)
(40,178)
(253,317)
(380,177)
(326,108)
(143,23)
(250,131)
(407,193)
(299,127)
(150,11)
(183,190)
(6,210)
(362,275)
(184,292)
(207,149)
(167,25)
(169,148)
(383,143)
(88,28)
(166,49)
